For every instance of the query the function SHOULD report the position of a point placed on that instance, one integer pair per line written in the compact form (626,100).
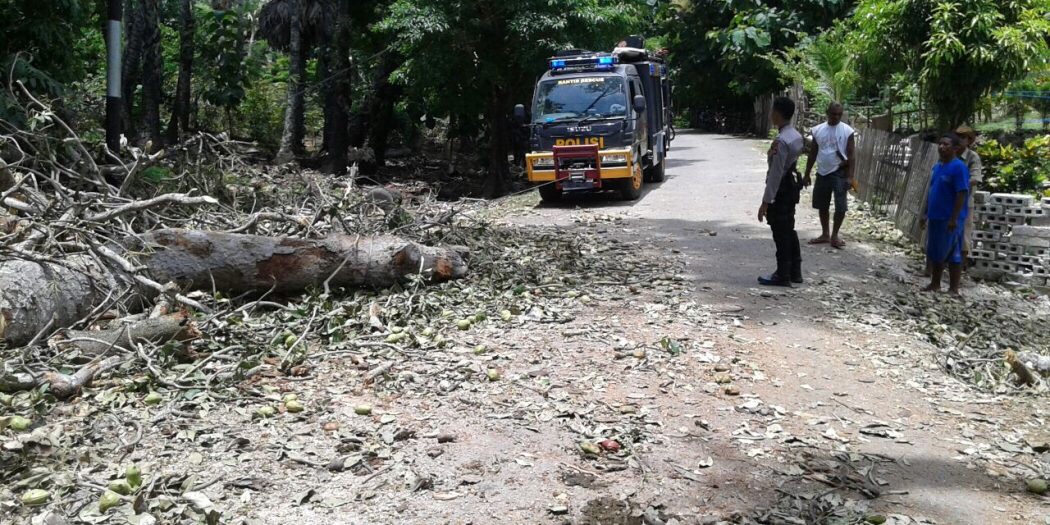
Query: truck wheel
(631,188)
(655,173)
(550,193)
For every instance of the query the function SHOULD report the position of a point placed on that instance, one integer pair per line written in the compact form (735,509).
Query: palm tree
(833,62)
(295,27)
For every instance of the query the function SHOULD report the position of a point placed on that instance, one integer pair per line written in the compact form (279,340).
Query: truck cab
(599,121)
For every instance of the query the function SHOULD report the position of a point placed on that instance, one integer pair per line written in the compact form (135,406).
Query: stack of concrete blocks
(1011,237)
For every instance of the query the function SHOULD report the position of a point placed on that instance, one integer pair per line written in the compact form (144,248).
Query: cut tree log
(39,296)
(238,263)
(36,297)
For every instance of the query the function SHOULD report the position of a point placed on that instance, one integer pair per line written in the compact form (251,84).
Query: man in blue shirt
(946,214)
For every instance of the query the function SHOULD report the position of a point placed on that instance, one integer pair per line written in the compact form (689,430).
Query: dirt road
(835,376)
(635,375)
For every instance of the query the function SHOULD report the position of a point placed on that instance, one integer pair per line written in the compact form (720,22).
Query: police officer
(782,194)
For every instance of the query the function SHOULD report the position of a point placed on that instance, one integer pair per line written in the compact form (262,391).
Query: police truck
(599,121)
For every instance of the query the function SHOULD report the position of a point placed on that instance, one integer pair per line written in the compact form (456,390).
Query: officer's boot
(796,272)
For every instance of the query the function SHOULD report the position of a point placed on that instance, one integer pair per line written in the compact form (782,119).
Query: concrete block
(1033,242)
(1011,199)
(1046,200)
(1014,219)
(1042,221)
(1003,266)
(1032,231)
(1034,211)
(987,236)
(1025,260)
(1041,271)
(1034,251)
(999,227)
(980,197)
(988,209)
(981,254)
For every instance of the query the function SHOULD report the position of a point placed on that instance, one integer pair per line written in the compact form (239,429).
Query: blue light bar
(606,61)
(557,64)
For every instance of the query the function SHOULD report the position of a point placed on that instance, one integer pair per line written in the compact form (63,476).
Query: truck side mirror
(519,113)
(639,103)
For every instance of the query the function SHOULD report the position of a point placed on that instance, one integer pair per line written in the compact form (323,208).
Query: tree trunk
(497,181)
(337,92)
(132,73)
(286,153)
(152,72)
(385,96)
(243,263)
(39,298)
(180,112)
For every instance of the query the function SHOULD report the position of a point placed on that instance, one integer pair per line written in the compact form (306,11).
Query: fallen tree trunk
(237,263)
(39,297)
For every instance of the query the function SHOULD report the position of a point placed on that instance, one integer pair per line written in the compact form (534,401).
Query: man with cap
(968,137)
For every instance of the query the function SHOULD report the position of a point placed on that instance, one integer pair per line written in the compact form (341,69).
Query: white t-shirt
(831,143)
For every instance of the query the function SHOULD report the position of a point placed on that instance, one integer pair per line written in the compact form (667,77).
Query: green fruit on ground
(19,423)
(493,374)
(134,476)
(35,497)
(396,337)
(480,349)
(463,324)
(428,332)
(290,397)
(153,398)
(1037,486)
(266,411)
(289,340)
(293,406)
(875,519)
(505,315)
(120,486)
(363,410)
(108,500)
(590,448)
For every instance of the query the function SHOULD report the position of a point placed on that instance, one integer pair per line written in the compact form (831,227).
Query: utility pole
(113,54)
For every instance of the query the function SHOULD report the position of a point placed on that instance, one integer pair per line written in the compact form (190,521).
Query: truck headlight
(543,162)
(614,159)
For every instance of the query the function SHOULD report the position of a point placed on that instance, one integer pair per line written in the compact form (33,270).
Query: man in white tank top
(832,152)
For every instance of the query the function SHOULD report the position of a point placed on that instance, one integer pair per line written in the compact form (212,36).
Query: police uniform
(782,196)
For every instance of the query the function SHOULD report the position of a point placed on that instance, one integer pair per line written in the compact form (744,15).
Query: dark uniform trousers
(781,219)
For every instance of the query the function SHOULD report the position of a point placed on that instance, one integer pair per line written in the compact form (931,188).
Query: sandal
(838,243)
(819,240)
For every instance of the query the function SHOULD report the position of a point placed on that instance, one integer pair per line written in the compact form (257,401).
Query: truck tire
(655,173)
(631,189)
(550,193)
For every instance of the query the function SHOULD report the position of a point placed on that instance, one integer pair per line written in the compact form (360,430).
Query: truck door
(641,127)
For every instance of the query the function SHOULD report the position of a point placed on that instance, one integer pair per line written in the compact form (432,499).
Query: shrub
(1013,169)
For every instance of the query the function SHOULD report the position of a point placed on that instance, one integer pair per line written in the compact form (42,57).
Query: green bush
(1012,169)
(262,113)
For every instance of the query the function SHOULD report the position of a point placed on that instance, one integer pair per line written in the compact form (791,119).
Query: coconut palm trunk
(293,113)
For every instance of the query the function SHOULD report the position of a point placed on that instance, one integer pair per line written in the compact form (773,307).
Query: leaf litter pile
(997,338)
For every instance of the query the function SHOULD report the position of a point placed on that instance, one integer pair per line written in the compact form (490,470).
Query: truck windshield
(580,97)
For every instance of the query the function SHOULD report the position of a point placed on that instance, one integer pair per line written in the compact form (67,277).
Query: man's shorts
(943,246)
(835,184)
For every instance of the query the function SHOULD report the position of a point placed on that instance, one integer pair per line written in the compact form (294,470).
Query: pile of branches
(98,259)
